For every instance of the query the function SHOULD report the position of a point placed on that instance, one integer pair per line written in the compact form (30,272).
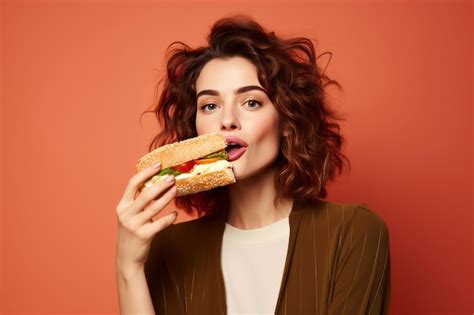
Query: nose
(229,120)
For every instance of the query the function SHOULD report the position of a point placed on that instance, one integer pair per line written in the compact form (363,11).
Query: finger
(150,194)
(137,180)
(151,229)
(156,207)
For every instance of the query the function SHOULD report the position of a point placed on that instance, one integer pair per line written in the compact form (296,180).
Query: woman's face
(248,115)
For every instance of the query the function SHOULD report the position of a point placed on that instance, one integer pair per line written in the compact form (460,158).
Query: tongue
(232,149)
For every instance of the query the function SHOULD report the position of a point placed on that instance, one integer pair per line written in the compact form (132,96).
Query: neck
(252,203)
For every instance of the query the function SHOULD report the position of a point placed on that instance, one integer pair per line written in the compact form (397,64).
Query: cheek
(266,129)
(198,124)
(204,124)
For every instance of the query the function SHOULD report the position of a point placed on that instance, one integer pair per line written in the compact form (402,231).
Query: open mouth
(235,151)
(232,147)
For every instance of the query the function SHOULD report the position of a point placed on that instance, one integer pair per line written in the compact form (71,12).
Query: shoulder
(177,242)
(357,218)
(188,236)
(178,231)
(194,228)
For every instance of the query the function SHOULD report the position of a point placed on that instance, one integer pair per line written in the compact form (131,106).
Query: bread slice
(183,151)
(206,181)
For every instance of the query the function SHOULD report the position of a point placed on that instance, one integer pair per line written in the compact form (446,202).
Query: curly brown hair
(310,155)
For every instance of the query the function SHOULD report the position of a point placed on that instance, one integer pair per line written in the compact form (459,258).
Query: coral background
(76,75)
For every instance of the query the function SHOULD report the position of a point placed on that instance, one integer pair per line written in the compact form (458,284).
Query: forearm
(134,296)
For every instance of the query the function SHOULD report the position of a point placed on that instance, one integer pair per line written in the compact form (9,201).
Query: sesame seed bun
(206,181)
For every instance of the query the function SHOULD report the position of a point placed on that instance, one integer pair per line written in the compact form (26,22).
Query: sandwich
(198,164)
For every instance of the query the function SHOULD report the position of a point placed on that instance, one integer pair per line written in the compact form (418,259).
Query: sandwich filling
(210,163)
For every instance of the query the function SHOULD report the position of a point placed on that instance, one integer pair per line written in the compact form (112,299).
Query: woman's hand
(135,212)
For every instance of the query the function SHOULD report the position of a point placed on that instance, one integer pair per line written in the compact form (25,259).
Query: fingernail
(170,178)
(157,165)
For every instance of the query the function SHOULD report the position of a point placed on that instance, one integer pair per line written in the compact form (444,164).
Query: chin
(237,169)
(242,171)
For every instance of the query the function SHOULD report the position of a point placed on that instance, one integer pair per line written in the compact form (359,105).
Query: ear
(284,130)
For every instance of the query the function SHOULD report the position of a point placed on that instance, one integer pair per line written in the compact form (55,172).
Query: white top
(252,265)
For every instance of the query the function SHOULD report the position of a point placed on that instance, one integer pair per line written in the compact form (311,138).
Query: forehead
(227,74)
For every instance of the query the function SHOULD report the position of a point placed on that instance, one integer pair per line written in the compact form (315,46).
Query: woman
(267,244)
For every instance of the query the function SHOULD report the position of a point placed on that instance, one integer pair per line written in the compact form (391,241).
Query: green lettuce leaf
(221,154)
(169,171)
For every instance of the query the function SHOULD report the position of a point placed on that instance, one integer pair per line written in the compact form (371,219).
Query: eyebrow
(237,91)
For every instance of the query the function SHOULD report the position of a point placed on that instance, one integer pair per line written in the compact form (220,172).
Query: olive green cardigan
(338,262)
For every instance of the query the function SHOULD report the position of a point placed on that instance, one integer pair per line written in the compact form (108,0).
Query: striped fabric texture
(338,262)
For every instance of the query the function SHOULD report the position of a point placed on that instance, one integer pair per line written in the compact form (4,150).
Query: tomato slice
(185,167)
(207,161)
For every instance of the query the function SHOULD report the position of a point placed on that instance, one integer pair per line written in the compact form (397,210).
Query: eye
(208,107)
(253,103)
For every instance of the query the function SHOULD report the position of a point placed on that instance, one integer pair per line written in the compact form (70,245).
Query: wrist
(129,271)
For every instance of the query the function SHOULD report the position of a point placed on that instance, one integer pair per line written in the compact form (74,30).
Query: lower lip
(235,154)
